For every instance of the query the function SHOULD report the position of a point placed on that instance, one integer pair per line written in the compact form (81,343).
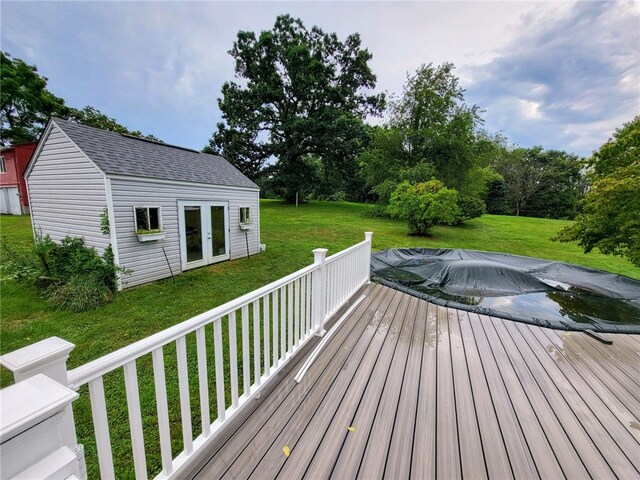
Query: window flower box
(150,235)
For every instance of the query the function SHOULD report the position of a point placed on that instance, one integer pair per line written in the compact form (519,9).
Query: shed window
(148,218)
(3,168)
(245,215)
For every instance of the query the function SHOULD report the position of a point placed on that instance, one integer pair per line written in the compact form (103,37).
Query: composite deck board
(361,414)
(597,348)
(496,458)
(577,372)
(375,455)
(329,426)
(556,408)
(264,421)
(398,461)
(447,450)
(520,457)
(472,461)
(530,406)
(423,458)
(289,421)
(600,367)
(433,392)
(610,438)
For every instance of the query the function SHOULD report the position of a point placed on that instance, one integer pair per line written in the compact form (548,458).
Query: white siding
(10,201)
(147,259)
(66,192)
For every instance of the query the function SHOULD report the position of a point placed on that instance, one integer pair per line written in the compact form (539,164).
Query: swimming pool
(530,290)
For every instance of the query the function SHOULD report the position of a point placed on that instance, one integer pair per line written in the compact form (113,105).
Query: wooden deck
(407,389)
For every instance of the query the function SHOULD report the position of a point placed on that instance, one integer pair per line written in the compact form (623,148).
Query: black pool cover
(530,290)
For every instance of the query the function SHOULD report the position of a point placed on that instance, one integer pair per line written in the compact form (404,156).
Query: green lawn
(290,234)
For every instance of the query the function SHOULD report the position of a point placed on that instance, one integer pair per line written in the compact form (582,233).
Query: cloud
(559,74)
(567,80)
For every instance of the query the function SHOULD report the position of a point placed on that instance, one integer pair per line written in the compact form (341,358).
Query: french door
(204,232)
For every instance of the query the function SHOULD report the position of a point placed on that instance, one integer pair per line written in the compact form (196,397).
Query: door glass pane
(218,231)
(193,233)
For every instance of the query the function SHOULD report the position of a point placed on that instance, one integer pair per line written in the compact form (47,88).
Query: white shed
(169,208)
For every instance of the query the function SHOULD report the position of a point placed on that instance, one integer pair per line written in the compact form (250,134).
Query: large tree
(610,218)
(437,126)
(541,183)
(25,102)
(303,93)
(431,132)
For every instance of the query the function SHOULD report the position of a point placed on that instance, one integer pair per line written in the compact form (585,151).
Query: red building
(13,189)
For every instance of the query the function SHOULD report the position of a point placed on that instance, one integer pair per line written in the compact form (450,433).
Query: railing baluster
(274,297)
(203,381)
(135,420)
(219,359)
(101,427)
(246,362)
(333,289)
(303,307)
(338,282)
(233,359)
(296,313)
(265,322)
(185,401)
(290,317)
(283,324)
(160,383)
(256,342)
(308,282)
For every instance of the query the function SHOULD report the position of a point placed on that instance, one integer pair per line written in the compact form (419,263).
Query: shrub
(424,205)
(79,292)
(470,207)
(70,274)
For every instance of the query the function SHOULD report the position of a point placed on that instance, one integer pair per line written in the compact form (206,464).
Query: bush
(424,205)
(80,292)
(70,274)
(470,207)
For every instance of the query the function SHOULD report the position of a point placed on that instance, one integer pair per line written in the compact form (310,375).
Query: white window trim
(250,222)
(135,217)
(3,165)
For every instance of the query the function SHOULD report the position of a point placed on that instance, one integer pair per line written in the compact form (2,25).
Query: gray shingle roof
(117,154)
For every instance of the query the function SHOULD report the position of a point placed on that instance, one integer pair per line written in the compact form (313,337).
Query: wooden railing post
(319,290)
(49,358)
(368,238)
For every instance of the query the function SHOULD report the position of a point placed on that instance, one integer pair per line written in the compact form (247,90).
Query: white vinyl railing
(247,341)
(345,270)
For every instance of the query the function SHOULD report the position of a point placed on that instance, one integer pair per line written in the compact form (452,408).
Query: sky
(563,75)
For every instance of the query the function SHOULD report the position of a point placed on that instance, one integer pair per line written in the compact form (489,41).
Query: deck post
(49,358)
(368,238)
(319,290)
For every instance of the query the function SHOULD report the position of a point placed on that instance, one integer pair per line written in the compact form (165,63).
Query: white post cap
(47,356)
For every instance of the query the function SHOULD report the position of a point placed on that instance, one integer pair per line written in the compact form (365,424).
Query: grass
(290,234)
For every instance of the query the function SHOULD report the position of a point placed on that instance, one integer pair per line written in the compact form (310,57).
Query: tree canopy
(610,218)
(25,102)
(303,94)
